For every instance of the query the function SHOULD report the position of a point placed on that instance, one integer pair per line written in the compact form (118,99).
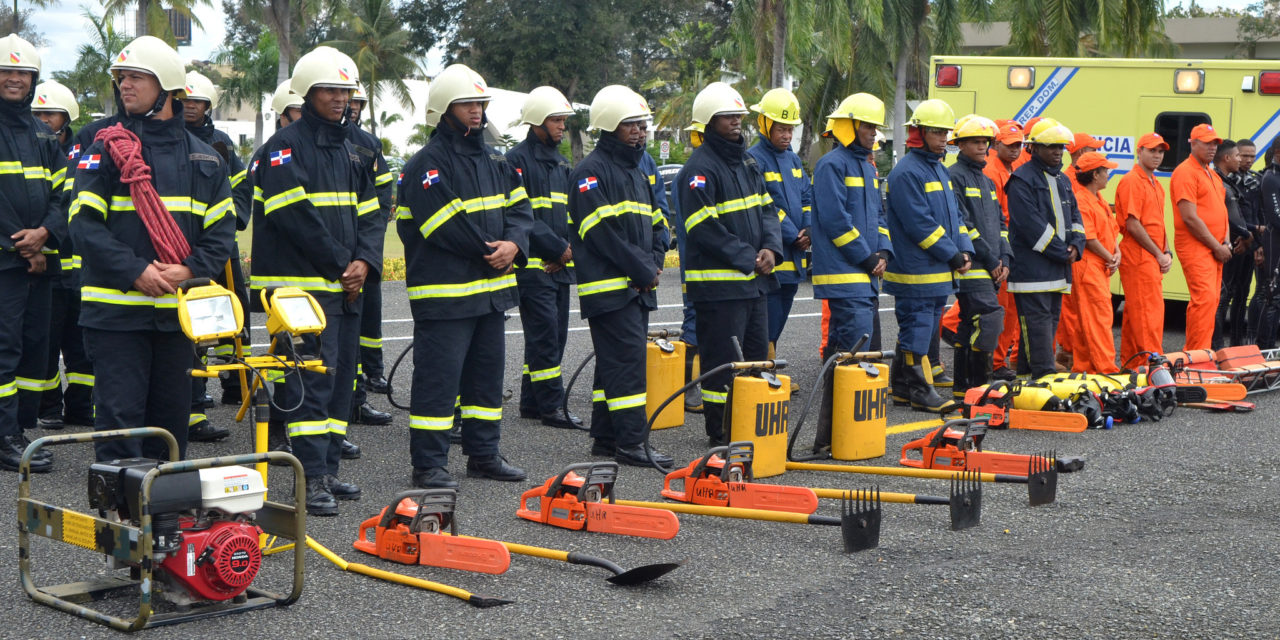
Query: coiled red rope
(126,151)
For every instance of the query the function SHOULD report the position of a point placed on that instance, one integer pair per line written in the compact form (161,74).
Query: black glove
(871,262)
(956,261)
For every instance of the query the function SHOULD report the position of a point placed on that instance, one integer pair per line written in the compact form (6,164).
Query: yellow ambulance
(1119,100)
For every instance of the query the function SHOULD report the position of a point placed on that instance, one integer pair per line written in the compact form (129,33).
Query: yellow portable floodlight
(209,312)
(292,310)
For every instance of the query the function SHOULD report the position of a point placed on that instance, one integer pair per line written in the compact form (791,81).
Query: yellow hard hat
(717,98)
(779,105)
(284,97)
(974,126)
(199,87)
(152,55)
(53,96)
(543,103)
(457,83)
(324,67)
(1050,131)
(933,113)
(616,104)
(859,106)
(16,53)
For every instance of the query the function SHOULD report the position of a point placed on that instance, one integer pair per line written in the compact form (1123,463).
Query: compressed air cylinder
(759,413)
(664,375)
(859,412)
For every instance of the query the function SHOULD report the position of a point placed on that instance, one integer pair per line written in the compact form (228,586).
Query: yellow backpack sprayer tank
(853,409)
(664,373)
(759,404)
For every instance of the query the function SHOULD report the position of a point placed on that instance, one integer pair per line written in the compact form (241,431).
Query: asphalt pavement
(1168,532)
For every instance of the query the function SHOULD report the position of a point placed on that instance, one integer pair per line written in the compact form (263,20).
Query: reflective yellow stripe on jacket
(462,289)
(104,295)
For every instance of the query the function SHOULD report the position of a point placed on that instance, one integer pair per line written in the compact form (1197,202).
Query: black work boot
(203,431)
(320,501)
(433,478)
(366,414)
(980,368)
(494,468)
(922,395)
(341,490)
(939,375)
(349,450)
(898,389)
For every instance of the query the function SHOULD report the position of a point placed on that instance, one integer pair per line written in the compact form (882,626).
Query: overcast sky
(65,29)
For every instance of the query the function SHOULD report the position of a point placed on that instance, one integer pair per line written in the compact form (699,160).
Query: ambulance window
(1176,127)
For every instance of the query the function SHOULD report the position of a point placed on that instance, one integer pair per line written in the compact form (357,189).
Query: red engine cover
(217,563)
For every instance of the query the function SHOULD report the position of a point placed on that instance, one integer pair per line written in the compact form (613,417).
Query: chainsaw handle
(416,495)
(996,384)
(554,488)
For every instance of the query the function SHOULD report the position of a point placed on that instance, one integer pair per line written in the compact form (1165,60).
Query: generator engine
(206,543)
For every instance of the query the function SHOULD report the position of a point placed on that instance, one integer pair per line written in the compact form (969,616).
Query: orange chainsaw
(418,527)
(581,497)
(957,446)
(722,478)
(995,402)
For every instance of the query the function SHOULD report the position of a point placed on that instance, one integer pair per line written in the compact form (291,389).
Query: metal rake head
(860,517)
(966,500)
(1042,479)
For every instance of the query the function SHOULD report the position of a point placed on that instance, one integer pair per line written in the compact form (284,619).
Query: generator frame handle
(274,518)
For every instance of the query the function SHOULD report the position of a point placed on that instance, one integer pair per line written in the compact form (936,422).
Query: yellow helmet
(324,67)
(859,106)
(16,53)
(152,55)
(933,113)
(779,105)
(616,104)
(284,98)
(457,83)
(973,126)
(52,96)
(1050,131)
(717,99)
(543,103)
(199,87)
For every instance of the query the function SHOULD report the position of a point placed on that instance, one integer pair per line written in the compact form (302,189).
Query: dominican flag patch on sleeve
(588,183)
(698,182)
(75,151)
(254,168)
(429,178)
(89,162)
(283,156)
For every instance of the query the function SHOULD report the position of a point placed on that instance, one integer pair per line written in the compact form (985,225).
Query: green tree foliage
(18,20)
(156,21)
(378,44)
(1260,21)
(298,26)
(253,77)
(433,23)
(1085,28)
(90,78)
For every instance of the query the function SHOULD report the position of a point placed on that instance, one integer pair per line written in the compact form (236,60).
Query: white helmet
(359,95)
(324,67)
(457,83)
(199,87)
(717,99)
(53,96)
(16,53)
(150,54)
(616,104)
(543,103)
(284,98)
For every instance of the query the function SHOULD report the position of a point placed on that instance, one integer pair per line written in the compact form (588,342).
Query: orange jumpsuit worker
(1200,233)
(1095,344)
(1140,211)
(1081,144)
(1001,161)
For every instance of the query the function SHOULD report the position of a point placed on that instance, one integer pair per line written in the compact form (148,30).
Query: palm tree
(90,79)
(155,21)
(767,34)
(1130,28)
(377,43)
(19,20)
(253,77)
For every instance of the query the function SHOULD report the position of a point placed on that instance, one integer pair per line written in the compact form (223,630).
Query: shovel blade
(641,575)
(860,518)
(772,497)
(966,500)
(626,520)
(1042,479)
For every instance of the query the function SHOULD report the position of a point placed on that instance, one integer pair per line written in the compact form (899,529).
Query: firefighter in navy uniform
(792,192)
(735,240)
(369,369)
(618,247)
(128,301)
(197,112)
(317,226)
(929,243)
(56,106)
(31,221)
(981,315)
(464,218)
(1047,236)
(545,280)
